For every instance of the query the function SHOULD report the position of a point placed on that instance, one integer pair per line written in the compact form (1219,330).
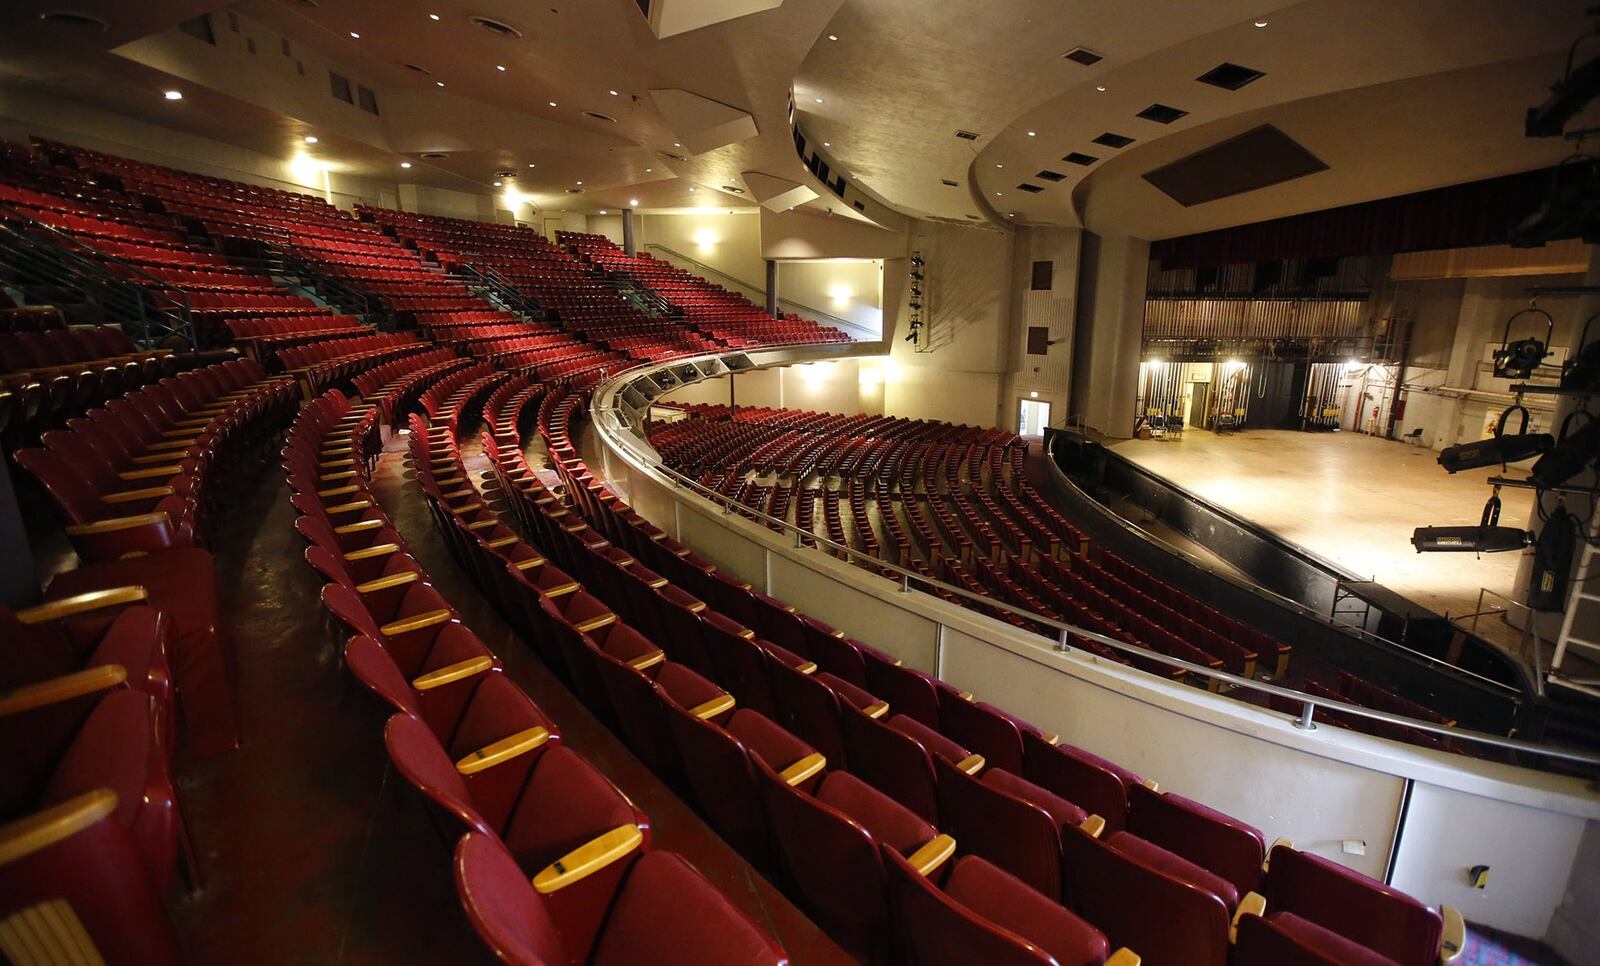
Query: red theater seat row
(552,859)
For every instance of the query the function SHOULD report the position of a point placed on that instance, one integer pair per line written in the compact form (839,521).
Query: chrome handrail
(1308,703)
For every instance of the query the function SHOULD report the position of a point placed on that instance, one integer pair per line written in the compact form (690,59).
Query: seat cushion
(846,691)
(1064,812)
(890,823)
(1008,902)
(1158,858)
(936,743)
(1337,948)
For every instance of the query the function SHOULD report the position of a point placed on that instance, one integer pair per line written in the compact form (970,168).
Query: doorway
(1199,399)
(1032,417)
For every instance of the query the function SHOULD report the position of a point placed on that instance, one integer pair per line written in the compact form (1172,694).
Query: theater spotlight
(1573,451)
(1517,359)
(1478,539)
(1499,448)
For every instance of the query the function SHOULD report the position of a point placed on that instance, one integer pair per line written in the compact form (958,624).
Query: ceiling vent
(948,183)
(1249,161)
(433,156)
(417,68)
(1051,176)
(1162,114)
(1078,157)
(1111,140)
(669,156)
(1229,77)
(71,18)
(966,135)
(731,188)
(505,174)
(1031,189)
(497,27)
(1084,56)
(574,191)
(596,115)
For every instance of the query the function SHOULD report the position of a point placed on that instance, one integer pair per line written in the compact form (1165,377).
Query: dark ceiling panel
(1255,159)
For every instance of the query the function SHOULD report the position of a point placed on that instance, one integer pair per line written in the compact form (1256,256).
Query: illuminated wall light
(841,294)
(173,95)
(833,36)
(497,184)
(817,99)
(532,165)
(1033,394)
(439,83)
(705,239)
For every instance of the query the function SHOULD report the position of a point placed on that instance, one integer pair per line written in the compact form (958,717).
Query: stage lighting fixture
(1500,448)
(1582,371)
(1478,539)
(1552,562)
(1517,359)
(1567,98)
(1573,451)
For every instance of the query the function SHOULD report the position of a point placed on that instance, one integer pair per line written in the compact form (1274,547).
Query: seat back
(1261,943)
(668,914)
(936,930)
(891,762)
(417,755)
(1117,895)
(1204,836)
(1081,779)
(984,729)
(1352,905)
(507,914)
(833,861)
(1014,834)
(811,710)
(718,771)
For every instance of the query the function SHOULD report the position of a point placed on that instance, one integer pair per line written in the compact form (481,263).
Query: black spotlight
(1478,539)
(1499,448)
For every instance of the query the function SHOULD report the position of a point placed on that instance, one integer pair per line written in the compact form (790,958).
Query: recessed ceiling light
(613,93)
(676,144)
(817,99)
(1032,134)
(499,66)
(552,103)
(998,165)
(691,187)
(173,95)
(648,170)
(602,211)
(998,193)
(1100,87)
(354,35)
(439,83)
(580,182)
(497,184)
(827,144)
(405,164)
(633,202)
(311,139)
(433,16)
(532,165)
(833,36)
(1261,23)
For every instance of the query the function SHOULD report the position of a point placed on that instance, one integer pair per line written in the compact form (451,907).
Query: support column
(627,232)
(772,287)
(1110,331)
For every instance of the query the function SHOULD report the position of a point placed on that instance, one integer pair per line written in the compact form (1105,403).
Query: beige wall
(727,243)
(846,386)
(851,289)
(807,234)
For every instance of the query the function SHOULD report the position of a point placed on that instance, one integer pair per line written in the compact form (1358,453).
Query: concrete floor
(1350,498)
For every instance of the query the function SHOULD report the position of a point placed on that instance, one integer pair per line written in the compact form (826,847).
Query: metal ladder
(1584,636)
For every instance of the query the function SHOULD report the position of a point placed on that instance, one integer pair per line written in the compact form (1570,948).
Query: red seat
(1012,823)
(1099,786)
(1283,937)
(1216,842)
(1362,910)
(663,912)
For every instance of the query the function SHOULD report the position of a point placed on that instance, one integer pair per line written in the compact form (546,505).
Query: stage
(1353,500)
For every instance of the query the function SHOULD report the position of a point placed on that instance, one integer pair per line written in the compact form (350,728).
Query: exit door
(1199,399)
(1032,417)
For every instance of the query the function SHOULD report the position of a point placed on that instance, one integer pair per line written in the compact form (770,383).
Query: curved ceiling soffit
(1381,43)
(1379,141)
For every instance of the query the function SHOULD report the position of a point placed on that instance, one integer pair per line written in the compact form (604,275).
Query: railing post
(1306,711)
(905,583)
(1061,640)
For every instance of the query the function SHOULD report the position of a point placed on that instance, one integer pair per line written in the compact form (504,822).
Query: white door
(1032,417)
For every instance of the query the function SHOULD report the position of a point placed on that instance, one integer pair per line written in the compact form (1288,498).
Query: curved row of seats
(1162,853)
(553,863)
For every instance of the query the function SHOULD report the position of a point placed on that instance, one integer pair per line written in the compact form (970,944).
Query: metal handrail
(1308,703)
(94,264)
(759,292)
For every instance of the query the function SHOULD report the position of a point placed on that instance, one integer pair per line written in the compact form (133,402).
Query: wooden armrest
(562,590)
(809,667)
(482,524)
(932,854)
(529,564)
(967,696)
(186,441)
(338,490)
(334,477)
(136,496)
(597,622)
(376,550)
(697,607)
(64,688)
(336,450)
(1455,934)
(358,526)
(503,750)
(149,473)
(589,858)
(384,583)
(350,507)
(1253,903)
(506,541)
(1151,784)
(644,661)
(452,672)
(877,709)
(804,768)
(57,823)
(747,634)
(1266,860)
(152,459)
(113,524)
(1050,737)
(416,622)
(1123,957)
(712,708)
(659,583)
(971,764)
(82,604)
(1093,826)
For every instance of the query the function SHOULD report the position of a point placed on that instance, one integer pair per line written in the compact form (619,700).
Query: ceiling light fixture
(497,184)
(405,164)
(998,193)
(817,99)
(499,66)
(580,182)
(433,16)
(439,83)
(1032,134)
(602,211)
(648,170)
(552,103)
(1100,87)
(354,35)
(173,95)
(532,165)
(833,36)
(827,144)
(633,202)
(998,165)
(613,93)
(1261,23)
(691,187)
(311,139)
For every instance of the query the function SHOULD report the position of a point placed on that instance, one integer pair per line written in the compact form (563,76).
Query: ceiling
(1394,97)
